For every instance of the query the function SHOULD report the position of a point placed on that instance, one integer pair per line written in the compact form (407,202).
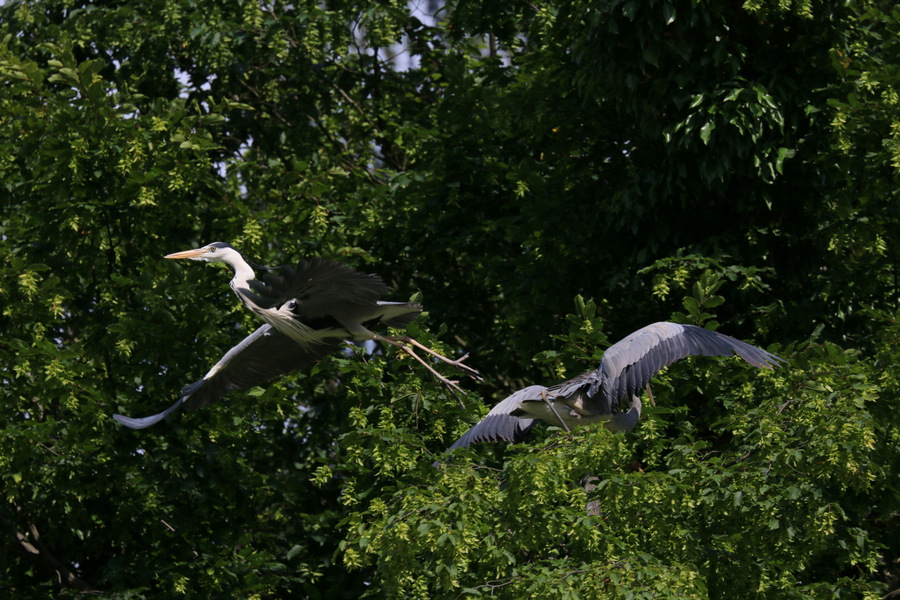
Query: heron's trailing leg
(458,363)
(404,344)
(553,408)
(650,396)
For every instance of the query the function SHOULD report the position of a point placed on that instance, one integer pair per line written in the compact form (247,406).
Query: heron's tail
(399,314)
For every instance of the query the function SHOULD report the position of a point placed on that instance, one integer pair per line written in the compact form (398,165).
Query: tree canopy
(544,178)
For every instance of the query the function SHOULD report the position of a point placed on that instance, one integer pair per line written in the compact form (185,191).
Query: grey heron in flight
(308,312)
(626,368)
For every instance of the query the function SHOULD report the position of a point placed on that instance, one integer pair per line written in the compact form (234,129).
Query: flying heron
(626,368)
(309,310)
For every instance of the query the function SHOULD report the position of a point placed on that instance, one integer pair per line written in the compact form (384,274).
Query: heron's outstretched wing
(567,388)
(148,421)
(261,356)
(626,369)
(327,296)
(629,364)
(317,285)
(499,424)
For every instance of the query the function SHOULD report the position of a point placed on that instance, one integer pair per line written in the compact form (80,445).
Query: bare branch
(31,546)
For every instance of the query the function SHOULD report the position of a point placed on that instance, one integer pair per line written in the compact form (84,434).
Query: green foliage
(732,165)
(764,493)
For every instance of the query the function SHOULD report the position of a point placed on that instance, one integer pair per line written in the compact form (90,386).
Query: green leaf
(668,13)
(706,131)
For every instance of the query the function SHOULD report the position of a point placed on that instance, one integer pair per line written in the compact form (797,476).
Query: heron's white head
(215,252)
(224,253)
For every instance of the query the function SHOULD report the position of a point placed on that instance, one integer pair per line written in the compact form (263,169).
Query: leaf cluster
(731,165)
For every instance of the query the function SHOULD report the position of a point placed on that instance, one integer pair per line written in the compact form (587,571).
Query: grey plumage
(309,310)
(625,370)
(261,356)
(498,424)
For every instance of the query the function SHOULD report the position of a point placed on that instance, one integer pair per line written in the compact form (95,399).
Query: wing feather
(626,368)
(499,424)
(261,356)
(317,285)
(637,358)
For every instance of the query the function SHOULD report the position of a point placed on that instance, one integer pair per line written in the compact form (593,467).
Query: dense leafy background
(546,177)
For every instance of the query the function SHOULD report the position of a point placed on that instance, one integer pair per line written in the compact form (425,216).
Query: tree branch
(31,546)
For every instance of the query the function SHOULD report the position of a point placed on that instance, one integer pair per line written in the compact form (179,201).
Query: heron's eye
(212,248)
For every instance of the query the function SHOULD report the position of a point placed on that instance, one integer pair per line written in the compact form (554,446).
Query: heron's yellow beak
(196,253)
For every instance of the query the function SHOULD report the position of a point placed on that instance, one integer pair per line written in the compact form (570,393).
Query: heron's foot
(650,396)
(553,409)
(405,343)
(458,363)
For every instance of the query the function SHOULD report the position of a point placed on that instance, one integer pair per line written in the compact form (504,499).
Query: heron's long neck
(627,420)
(243,273)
